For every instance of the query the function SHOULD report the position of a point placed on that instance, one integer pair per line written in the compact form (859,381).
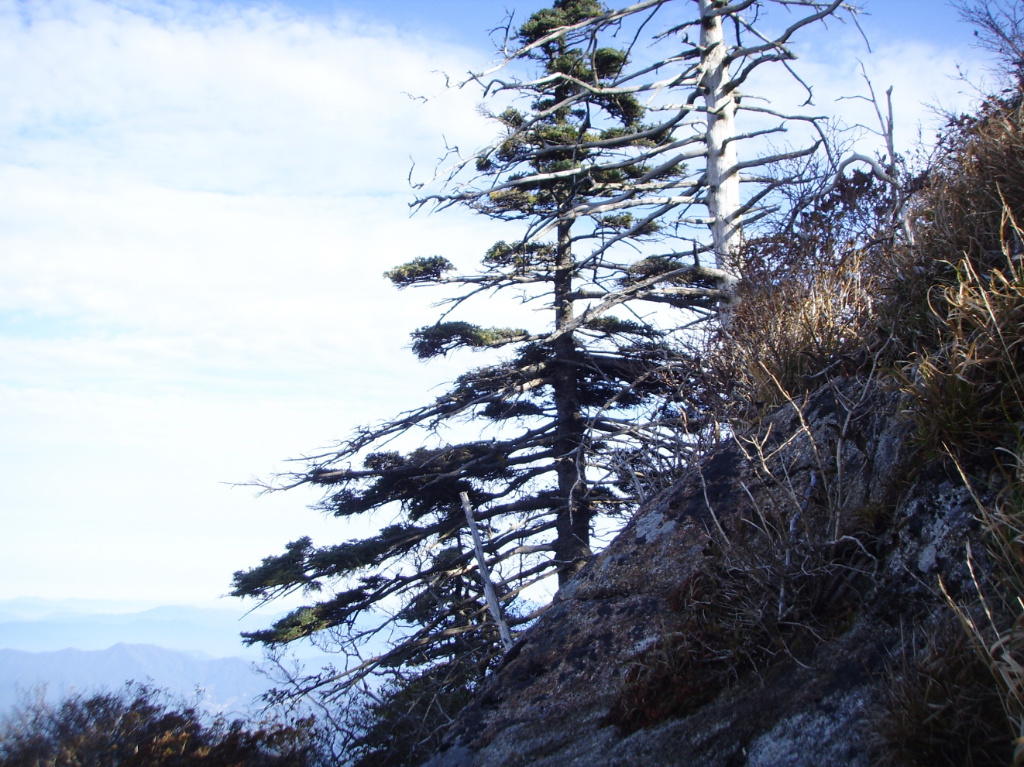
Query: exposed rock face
(746,616)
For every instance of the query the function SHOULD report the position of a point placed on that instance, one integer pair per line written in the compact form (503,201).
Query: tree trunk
(572,524)
(722,178)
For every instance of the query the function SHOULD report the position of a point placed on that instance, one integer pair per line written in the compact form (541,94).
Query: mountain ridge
(42,625)
(218,684)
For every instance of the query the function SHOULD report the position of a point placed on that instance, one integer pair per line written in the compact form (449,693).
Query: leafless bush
(141,726)
(807,307)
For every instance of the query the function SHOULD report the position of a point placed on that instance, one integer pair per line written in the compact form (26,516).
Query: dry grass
(775,583)
(976,188)
(785,338)
(965,382)
(968,388)
(752,608)
(939,708)
(816,302)
(994,621)
(939,309)
(822,300)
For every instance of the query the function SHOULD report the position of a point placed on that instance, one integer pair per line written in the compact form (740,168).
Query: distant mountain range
(228,685)
(82,645)
(42,626)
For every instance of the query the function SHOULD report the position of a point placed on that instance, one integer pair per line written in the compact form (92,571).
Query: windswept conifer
(615,181)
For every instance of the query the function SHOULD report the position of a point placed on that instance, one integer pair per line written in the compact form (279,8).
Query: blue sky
(197,201)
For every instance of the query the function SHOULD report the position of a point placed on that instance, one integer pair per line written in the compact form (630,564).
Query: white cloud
(196,206)
(223,100)
(227,177)
(924,77)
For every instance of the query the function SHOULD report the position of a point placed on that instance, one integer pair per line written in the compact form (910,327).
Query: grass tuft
(939,708)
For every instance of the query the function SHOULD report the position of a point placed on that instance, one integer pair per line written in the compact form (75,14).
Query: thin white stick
(485,576)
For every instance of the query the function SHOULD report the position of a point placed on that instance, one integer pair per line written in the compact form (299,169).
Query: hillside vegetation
(840,579)
(926,298)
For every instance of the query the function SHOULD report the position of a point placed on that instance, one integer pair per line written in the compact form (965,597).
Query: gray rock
(846,534)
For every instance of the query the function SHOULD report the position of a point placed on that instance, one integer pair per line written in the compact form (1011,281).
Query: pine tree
(608,204)
(567,394)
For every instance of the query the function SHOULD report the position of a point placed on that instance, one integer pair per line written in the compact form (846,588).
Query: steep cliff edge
(752,615)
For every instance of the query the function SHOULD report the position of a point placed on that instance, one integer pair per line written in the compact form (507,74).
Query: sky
(197,202)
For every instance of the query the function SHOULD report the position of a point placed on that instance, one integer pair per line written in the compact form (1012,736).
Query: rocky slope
(752,615)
